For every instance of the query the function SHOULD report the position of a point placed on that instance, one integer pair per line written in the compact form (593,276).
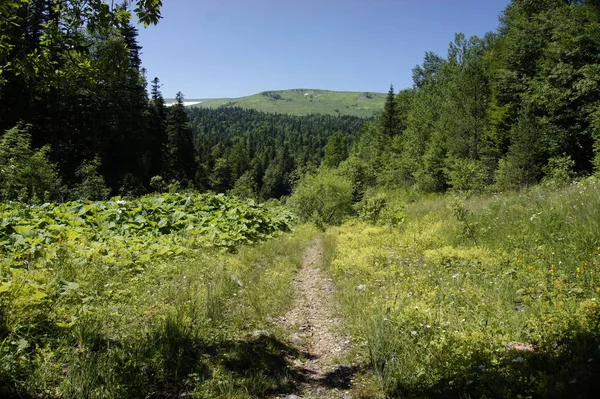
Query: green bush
(25,174)
(324,198)
(91,184)
(559,171)
(467,175)
(371,207)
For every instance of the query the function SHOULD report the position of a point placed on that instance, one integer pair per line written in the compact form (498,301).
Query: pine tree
(389,118)
(179,151)
(157,129)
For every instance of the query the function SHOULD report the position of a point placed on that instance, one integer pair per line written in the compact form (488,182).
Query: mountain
(301,102)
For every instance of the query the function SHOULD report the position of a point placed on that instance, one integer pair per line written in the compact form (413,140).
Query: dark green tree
(389,117)
(179,158)
(157,129)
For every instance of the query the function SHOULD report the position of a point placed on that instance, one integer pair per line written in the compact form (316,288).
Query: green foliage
(360,176)
(157,183)
(216,220)
(127,299)
(336,150)
(381,207)
(75,78)
(467,175)
(463,217)
(91,185)
(559,171)
(324,198)
(220,176)
(596,136)
(244,187)
(371,207)
(59,31)
(522,165)
(26,174)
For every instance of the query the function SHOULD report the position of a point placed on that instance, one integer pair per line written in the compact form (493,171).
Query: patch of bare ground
(315,332)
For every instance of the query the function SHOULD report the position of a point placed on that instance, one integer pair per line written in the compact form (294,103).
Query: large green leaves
(34,235)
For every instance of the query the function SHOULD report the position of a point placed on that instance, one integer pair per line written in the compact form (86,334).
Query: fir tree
(179,151)
(389,118)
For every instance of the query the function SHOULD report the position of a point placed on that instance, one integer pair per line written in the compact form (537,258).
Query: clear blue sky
(233,48)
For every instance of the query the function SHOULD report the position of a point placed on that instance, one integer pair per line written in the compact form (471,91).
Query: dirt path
(315,331)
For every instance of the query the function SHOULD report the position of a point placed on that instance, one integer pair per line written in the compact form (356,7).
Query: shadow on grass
(570,369)
(340,377)
(268,356)
(265,356)
(175,361)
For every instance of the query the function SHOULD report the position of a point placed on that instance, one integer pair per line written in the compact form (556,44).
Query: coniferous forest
(155,251)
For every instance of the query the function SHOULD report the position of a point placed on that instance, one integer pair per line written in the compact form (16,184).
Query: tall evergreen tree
(157,129)
(179,151)
(389,117)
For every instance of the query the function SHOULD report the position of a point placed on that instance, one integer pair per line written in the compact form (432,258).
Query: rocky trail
(315,332)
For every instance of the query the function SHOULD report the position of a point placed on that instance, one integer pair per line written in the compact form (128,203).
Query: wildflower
(413,333)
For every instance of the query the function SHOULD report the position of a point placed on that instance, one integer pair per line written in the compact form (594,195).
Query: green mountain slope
(301,102)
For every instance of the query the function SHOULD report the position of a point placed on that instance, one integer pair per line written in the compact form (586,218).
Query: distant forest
(503,111)
(257,154)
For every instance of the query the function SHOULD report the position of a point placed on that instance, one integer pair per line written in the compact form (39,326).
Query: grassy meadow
(304,102)
(487,296)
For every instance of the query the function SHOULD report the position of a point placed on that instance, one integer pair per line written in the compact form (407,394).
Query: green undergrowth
(97,303)
(487,296)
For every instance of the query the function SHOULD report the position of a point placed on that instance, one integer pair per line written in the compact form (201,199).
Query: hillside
(301,102)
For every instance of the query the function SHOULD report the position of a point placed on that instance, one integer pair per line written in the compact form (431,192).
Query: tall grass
(488,296)
(171,328)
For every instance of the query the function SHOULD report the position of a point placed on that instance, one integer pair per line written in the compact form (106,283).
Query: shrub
(467,175)
(371,207)
(25,174)
(559,171)
(157,183)
(324,198)
(91,184)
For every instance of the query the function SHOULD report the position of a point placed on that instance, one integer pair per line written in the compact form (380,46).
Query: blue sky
(233,48)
